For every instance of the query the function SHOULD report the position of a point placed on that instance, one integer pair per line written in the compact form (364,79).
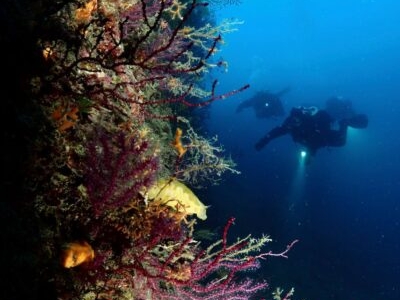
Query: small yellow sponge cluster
(178,196)
(76,253)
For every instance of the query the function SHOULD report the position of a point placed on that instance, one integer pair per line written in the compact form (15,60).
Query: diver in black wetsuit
(265,104)
(339,108)
(312,128)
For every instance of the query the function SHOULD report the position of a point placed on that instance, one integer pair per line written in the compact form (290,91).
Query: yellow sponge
(178,196)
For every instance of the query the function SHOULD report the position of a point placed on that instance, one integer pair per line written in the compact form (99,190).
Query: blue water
(344,206)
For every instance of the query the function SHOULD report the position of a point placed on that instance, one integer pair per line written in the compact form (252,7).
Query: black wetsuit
(312,130)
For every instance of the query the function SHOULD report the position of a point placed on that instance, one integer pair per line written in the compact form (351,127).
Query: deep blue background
(344,207)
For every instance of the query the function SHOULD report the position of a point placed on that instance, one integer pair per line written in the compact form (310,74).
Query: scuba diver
(339,108)
(313,129)
(265,104)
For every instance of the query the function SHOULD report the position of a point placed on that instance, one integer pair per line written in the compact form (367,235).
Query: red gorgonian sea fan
(118,166)
(158,269)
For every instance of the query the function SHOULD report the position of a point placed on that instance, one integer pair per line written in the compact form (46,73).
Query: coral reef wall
(97,95)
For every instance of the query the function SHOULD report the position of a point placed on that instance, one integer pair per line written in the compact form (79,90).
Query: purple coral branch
(118,167)
(203,281)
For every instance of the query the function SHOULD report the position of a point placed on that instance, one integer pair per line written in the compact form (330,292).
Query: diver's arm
(273,134)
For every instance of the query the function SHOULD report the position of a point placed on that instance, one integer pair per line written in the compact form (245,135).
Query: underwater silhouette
(314,129)
(265,104)
(339,108)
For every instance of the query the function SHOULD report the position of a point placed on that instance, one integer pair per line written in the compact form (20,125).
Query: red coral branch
(118,167)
